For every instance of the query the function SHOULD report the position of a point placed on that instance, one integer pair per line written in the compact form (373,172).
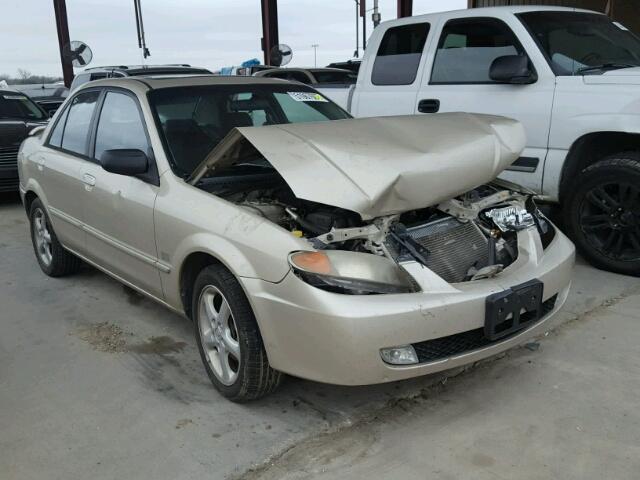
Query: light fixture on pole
(315,54)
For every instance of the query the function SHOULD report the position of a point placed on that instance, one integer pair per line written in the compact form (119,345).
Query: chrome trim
(162,266)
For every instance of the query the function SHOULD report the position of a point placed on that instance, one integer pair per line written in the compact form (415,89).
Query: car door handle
(429,105)
(89,179)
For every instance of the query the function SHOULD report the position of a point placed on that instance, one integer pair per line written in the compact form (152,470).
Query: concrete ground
(98,382)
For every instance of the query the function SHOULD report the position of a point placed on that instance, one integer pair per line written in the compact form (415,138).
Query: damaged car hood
(380,166)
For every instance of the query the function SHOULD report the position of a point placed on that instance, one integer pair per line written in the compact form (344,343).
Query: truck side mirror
(512,69)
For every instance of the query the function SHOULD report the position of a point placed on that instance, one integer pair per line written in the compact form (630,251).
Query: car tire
(53,258)
(229,339)
(602,213)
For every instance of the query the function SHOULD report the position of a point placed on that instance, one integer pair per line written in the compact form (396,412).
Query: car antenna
(142,44)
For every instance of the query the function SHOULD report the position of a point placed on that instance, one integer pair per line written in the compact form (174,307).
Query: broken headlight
(351,272)
(510,219)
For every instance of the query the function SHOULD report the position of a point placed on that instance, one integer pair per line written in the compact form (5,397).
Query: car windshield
(15,105)
(332,76)
(193,120)
(582,43)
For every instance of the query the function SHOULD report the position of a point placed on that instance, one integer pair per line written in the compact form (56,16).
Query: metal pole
(269,28)
(376,14)
(357,52)
(405,8)
(315,54)
(62,26)
(363,14)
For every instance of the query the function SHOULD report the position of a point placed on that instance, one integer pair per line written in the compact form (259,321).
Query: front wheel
(602,214)
(228,337)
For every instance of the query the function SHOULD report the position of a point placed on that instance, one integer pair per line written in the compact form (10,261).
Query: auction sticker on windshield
(307,97)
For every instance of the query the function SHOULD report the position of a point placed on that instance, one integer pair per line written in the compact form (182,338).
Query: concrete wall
(624,11)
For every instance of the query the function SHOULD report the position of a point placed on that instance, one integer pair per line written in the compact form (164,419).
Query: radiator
(454,247)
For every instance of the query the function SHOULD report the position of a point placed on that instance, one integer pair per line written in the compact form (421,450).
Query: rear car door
(388,81)
(118,209)
(457,80)
(59,166)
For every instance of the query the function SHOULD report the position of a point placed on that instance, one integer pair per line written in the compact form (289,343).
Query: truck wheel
(52,257)
(602,213)
(228,337)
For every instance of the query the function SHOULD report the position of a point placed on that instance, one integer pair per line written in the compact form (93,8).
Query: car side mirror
(512,69)
(125,161)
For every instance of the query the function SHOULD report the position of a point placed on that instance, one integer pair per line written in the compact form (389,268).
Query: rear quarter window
(398,57)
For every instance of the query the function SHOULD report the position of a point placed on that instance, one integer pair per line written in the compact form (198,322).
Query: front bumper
(334,338)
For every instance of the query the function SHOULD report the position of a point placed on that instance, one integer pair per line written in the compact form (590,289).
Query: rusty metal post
(269,28)
(62,25)
(405,8)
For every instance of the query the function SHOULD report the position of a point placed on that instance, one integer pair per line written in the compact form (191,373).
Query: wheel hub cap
(219,335)
(42,237)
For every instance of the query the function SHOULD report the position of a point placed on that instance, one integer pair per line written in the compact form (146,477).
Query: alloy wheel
(219,335)
(42,237)
(610,220)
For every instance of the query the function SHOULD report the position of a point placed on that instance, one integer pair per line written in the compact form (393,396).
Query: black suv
(97,73)
(18,116)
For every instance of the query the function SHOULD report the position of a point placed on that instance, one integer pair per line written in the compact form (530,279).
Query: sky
(204,33)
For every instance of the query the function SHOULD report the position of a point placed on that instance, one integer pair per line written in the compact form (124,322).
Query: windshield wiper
(606,66)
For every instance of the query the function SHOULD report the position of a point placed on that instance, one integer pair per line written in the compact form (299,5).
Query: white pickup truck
(572,77)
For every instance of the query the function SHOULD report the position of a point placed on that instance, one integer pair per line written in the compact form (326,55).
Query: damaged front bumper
(335,338)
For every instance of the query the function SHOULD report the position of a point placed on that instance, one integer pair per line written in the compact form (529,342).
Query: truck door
(388,81)
(457,79)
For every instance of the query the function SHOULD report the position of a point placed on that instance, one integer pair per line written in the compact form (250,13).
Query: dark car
(98,73)
(18,116)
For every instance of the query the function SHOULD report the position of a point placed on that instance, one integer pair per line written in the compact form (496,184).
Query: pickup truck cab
(570,76)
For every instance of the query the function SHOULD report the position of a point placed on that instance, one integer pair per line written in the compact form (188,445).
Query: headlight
(351,272)
(545,228)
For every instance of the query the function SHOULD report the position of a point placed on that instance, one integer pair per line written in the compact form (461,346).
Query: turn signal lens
(315,262)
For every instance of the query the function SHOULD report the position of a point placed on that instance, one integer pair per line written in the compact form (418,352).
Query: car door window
(76,130)
(55,140)
(399,55)
(120,125)
(468,47)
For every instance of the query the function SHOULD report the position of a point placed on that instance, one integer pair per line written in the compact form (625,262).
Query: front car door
(457,79)
(59,166)
(118,209)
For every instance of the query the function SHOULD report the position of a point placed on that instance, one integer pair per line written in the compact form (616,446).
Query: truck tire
(53,258)
(602,213)
(229,339)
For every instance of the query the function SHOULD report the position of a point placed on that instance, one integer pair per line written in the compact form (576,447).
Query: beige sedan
(297,239)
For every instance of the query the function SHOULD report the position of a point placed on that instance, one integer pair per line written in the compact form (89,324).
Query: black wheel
(602,213)
(228,337)
(52,257)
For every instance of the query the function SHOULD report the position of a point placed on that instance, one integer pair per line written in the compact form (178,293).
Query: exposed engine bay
(470,237)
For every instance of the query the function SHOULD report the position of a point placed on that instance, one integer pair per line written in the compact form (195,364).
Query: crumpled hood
(384,165)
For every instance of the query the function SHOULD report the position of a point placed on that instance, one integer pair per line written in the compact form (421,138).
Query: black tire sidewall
(610,170)
(244,320)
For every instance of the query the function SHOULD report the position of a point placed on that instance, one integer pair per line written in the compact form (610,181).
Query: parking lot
(98,382)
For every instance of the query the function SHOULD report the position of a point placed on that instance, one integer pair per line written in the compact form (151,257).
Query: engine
(467,238)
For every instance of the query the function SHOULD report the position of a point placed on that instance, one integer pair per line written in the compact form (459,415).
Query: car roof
(488,11)
(168,81)
(134,70)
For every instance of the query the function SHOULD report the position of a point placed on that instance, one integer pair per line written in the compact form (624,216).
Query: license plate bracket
(513,309)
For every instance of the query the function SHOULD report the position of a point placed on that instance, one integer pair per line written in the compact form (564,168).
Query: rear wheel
(228,337)
(52,257)
(602,213)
